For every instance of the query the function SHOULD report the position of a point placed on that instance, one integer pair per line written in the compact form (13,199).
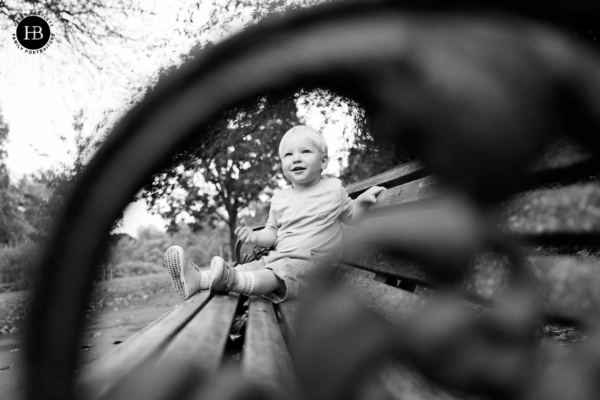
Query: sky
(41,93)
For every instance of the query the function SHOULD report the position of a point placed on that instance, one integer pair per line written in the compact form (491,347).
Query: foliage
(13,225)
(136,268)
(364,162)
(81,24)
(144,255)
(211,183)
(127,256)
(364,156)
(15,264)
(13,312)
(225,17)
(215,179)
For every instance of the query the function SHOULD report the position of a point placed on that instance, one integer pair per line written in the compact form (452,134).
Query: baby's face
(302,161)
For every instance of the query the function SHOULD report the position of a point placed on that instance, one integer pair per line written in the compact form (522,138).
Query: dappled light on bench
(449,279)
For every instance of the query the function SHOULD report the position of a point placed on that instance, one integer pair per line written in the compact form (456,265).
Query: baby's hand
(245,234)
(370,196)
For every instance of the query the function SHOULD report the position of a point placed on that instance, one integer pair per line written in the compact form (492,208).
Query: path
(132,303)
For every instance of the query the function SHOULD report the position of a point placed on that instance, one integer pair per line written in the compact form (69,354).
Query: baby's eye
(287,154)
(305,151)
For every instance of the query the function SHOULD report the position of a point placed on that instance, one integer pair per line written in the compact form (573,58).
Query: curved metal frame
(257,251)
(366,51)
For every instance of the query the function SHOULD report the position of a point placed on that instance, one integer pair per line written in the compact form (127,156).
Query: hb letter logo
(33,32)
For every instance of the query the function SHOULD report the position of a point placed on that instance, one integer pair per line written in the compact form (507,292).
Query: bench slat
(566,163)
(561,154)
(100,375)
(571,209)
(391,178)
(266,358)
(568,285)
(202,341)
(370,259)
(289,315)
(391,303)
(402,382)
(413,191)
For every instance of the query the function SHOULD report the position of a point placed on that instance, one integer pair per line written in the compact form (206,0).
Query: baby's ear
(324,162)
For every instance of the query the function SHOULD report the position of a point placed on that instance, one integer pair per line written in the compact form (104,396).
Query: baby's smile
(302,161)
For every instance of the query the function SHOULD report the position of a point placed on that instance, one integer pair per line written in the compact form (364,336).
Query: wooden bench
(195,336)
(553,215)
(555,218)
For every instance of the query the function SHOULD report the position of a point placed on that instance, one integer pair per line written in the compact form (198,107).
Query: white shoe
(222,276)
(183,272)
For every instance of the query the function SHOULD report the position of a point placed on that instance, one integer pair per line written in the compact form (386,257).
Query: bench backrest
(555,218)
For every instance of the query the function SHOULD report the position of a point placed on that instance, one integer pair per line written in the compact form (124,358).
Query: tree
(199,187)
(79,23)
(361,156)
(13,225)
(214,180)
(373,159)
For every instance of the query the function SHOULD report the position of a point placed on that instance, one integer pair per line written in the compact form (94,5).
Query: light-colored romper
(307,224)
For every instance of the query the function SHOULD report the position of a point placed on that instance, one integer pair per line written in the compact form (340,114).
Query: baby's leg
(265,281)
(248,279)
(251,266)
(256,282)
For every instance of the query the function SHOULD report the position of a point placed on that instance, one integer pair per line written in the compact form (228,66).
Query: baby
(304,226)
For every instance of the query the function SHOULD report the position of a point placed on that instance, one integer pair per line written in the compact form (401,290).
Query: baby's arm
(364,201)
(263,238)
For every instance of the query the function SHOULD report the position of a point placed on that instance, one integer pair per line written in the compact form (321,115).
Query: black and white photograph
(299,199)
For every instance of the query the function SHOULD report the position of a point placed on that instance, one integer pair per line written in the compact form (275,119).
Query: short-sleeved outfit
(307,224)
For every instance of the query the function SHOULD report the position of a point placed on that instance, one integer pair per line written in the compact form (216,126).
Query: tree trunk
(232,235)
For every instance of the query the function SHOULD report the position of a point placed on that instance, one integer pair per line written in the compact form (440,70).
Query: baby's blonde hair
(303,130)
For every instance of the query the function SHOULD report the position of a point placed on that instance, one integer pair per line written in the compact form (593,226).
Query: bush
(126,256)
(16,264)
(136,268)
(134,256)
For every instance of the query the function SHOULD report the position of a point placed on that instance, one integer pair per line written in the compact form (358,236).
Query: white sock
(245,283)
(204,280)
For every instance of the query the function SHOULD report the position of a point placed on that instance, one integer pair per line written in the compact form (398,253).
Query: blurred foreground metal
(475,94)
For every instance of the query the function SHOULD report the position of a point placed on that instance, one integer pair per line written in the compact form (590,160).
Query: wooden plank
(562,153)
(99,376)
(266,359)
(202,341)
(559,162)
(572,209)
(411,192)
(568,215)
(581,170)
(568,285)
(370,259)
(288,310)
(403,382)
(391,178)
(393,304)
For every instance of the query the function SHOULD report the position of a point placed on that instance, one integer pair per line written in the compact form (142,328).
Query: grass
(14,306)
